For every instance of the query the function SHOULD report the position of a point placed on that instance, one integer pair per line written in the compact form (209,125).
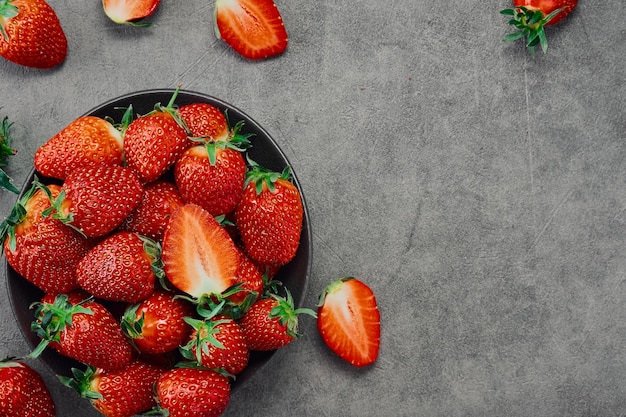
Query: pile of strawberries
(155,241)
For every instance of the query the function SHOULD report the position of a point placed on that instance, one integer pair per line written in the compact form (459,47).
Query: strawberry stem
(530,24)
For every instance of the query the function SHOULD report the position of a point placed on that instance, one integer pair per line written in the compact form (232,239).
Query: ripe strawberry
(153,142)
(212,176)
(5,152)
(269,216)
(250,283)
(349,321)
(23,392)
(84,331)
(198,256)
(96,199)
(186,392)
(156,324)
(217,342)
(124,392)
(204,120)
(130,12)
(272,322)
(254,29)
(150,217)
(530,16)
(88,140)
(31,34)
(122,267)
(42,250)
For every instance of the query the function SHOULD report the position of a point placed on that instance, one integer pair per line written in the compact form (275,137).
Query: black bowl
(264,150)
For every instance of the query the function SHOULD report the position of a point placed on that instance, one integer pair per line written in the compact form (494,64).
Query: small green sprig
(529,24)
(5,152)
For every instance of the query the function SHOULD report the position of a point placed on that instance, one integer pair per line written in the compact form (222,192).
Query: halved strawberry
(198,255)
(88,140)
(130,11)
(349,321)
(253,28)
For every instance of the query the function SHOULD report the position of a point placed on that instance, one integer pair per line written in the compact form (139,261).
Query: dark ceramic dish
(264,150)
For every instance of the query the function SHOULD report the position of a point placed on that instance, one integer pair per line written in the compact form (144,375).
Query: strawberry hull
(264,151)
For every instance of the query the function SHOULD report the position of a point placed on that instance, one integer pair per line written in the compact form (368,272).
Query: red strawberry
(212,176)
(156,324)
(120,268)
(23,392)
(84,331)
(205,120)
(250,280)
(271,323)
(349,321)
(42,250)
(150,217)
(31,34)
(217,342)
(254,29)
(96,199)
(530,16)
(269,216)
(130,12)
(5,152)
(153,142)
(186,392)
(120,393)
(198,256)
(88,140)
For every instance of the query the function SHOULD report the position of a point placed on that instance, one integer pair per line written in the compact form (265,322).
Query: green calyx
(287,314)
(236,140)
(204,337)
(529,24)
(52,319)
(172,110)
(17,215)
(260,176)
(6,151)
(81,382)
(7,11)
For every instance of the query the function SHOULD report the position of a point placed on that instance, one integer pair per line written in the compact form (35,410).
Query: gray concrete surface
(481,193)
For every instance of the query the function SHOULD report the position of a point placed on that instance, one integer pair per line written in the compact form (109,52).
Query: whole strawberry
(187,392)
(42,250)
(156,325)
(153,142)
(217,342)
(97,199)
(204,120)
(272,322)
(23,392)
(269,216)
(120,268)
(88,140)
(212,175)
(31,34)
(85,331)
(149,218)
(120,393)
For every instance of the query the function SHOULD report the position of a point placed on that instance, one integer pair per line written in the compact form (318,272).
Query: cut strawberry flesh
(254,29)
(122,11)
(349,321)
(198,255)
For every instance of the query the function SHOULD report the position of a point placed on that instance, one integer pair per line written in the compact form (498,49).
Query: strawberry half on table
(131,12)
(31,34)
(348,320)
(529,17)
(253,28)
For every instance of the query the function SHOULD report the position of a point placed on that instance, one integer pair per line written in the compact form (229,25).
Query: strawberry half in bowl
(220,233)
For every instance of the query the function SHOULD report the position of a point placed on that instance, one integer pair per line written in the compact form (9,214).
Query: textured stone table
(481,193)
